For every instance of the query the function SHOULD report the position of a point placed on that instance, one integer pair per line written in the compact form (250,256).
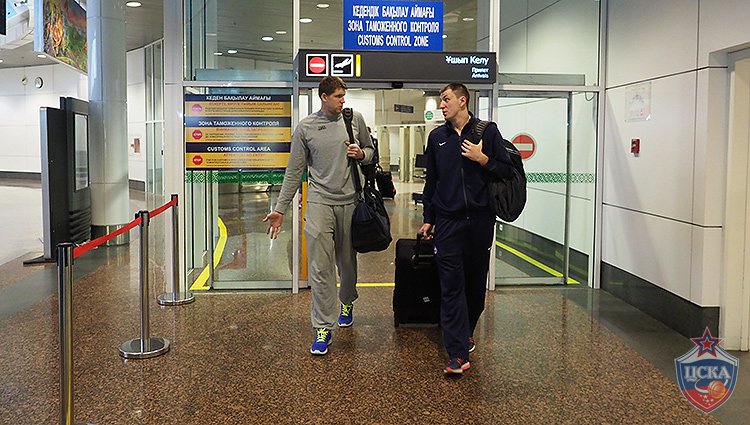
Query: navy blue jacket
(456,186)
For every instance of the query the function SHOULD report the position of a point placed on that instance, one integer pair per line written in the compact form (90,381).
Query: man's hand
(354,151)
(274,220)
(425,231)
(474,152)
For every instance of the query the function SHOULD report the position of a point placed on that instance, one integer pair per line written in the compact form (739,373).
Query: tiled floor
(546,355)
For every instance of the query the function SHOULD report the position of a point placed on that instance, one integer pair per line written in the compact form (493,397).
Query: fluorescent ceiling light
(323,5)
(232,51)
(133,4)
(467,19)
(267,38)
(305,20)
(280,32)
(1,61)
(41,56)
(218,53)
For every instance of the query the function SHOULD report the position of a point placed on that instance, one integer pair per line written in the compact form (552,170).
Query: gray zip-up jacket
(318,144)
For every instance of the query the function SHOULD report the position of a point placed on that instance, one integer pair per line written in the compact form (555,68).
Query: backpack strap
(478,131)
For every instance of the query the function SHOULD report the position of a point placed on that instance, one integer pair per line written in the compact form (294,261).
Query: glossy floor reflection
(545,355)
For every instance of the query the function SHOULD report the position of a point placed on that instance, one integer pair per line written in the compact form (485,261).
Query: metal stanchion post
(210,216)
(146,346)
(175,297)
(65,317)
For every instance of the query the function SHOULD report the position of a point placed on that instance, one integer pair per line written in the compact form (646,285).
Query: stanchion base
(180,298)
(132,349)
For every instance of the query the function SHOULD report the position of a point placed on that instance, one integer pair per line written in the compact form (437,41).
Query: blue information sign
(393,25)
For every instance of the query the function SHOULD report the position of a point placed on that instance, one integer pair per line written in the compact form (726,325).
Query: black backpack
(507,196)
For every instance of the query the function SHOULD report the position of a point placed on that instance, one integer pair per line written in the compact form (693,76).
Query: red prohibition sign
(197,134)
(525,144)
(197,160)
(317,65)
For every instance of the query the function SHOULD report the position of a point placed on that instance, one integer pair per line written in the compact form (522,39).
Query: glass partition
(229,202)
(154,118)
(556,136)
(238,40)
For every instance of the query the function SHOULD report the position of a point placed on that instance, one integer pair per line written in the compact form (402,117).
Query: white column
(108,123)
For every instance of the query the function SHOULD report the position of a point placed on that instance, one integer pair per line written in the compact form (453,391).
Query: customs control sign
(393,25)
(408,67)
(237,132)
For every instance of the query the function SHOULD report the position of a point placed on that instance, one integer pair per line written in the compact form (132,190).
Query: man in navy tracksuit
(456,208)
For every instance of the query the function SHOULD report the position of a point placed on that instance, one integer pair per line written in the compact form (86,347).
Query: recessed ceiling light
(305,20)
(133,4)
(1,61)
(41,56)
(323,5)
(445,36)
(232,51)
(267,38)
(280,32)
(218,53)
(467,19)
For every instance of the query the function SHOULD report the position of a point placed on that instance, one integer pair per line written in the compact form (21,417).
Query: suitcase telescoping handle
(418,259)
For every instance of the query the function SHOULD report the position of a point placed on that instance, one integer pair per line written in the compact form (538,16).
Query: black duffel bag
(371,226)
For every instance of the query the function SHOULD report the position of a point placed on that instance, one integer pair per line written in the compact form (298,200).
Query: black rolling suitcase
(416,296)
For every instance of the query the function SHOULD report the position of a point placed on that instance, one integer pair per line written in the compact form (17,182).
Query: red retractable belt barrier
(88,246)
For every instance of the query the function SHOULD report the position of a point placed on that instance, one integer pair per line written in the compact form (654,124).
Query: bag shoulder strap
(348,114)
(478,131)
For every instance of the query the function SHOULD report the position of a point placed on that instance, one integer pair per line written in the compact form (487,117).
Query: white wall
(19,110)
(663,212)
(549,36)
(20,103)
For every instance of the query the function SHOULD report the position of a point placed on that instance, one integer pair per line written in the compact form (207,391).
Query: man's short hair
(458,89)
(328,85)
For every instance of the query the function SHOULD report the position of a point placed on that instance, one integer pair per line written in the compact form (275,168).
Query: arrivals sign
(237,131)
(393,25)
(406,67)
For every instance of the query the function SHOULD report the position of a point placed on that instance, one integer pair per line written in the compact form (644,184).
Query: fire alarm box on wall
(635,146)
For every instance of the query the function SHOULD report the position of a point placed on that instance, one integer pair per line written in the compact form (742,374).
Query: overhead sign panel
(405,67)
(393,25)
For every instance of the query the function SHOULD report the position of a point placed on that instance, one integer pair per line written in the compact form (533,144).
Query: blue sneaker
(322,341)
(347,316)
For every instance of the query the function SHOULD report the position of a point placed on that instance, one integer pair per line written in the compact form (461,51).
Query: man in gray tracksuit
(321,145)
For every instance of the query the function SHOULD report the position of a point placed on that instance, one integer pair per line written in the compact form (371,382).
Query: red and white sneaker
(456,366)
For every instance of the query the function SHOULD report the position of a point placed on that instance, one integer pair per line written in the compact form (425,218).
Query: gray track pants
(329,243)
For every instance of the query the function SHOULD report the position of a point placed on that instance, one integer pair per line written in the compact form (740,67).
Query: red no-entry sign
(317,65)
(525,144)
